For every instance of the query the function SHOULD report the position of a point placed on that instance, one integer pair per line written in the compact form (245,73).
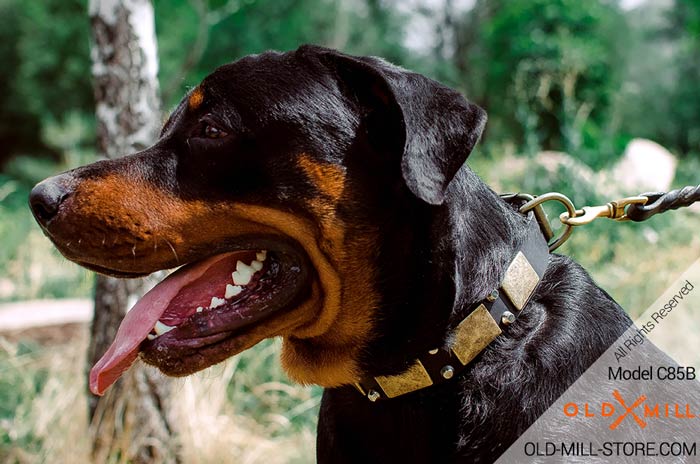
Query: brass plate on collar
(415,378)
(474,334)
(520,281)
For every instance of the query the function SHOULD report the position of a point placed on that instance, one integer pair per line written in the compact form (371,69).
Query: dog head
(294,189)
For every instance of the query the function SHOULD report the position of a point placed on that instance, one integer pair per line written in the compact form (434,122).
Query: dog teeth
(216,302)
(152,337)
(242,274)
(240,279)
(256,265)
(232,290)
(161,328)
(244,268)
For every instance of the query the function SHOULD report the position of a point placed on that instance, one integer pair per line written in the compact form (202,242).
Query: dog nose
(45,199)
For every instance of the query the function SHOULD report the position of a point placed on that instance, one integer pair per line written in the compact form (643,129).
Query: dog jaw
(143,229)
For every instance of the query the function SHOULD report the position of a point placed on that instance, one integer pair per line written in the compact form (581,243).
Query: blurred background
(596,99)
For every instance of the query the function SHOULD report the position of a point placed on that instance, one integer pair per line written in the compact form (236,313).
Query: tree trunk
(131,422)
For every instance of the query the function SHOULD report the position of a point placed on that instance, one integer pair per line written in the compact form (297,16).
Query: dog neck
(484,234)
(504,251)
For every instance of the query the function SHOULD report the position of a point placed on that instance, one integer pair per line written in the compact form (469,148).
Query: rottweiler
(324,198)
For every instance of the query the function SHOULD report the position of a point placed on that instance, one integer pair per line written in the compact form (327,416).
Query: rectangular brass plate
(474,334)
(520,281)
(415,378)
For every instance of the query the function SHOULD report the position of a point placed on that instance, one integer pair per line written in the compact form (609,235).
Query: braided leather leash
(660,202)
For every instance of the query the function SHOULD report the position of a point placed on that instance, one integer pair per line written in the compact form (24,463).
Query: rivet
(433,351)
(507,318)
(493,296)
(373,395)
(447,372)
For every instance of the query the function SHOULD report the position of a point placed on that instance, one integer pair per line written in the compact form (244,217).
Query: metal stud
(447,372)
(507,318)
(373,395)
(493,296)
(433,351)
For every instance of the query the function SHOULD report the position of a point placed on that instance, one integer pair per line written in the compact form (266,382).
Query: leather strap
(485,321)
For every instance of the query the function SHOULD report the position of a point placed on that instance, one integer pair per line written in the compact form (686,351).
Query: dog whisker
(177,259)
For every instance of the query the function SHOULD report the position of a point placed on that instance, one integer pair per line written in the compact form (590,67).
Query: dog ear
(435,127)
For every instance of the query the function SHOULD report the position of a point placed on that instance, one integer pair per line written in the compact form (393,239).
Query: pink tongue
(139,321)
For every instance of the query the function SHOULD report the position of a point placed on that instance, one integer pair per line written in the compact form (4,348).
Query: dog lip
(109,264)
(112,272)
(202,353)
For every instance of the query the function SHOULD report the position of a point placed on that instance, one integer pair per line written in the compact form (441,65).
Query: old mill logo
(640,411)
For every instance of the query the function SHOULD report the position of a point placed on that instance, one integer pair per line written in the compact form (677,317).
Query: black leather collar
(477,330)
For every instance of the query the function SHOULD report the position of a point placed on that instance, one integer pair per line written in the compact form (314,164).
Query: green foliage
(684,106)
(30,267)
(553,74)
(220,33)
(16,124)
(55,34)
(45,56)
(546,71)
(660,98)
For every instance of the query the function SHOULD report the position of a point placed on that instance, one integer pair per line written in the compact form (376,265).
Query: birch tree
(131,422)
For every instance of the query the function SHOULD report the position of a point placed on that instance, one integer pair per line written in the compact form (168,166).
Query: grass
(42,406)
(243,411)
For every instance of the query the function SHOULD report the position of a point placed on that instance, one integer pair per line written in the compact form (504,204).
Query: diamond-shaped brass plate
(415,378)
(520,281)
(474,334)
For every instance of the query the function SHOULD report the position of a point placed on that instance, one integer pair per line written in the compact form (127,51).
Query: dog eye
(212,132)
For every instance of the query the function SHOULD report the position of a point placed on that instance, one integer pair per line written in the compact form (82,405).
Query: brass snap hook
(613,210)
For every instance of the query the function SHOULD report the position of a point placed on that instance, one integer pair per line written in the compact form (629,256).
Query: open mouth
(200,308)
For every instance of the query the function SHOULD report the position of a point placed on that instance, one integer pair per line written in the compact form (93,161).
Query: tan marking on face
(196,98)
(127,224)
(323,343)
(147,228)
(328,178)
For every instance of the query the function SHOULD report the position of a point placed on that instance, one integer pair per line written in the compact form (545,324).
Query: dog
(324,198)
